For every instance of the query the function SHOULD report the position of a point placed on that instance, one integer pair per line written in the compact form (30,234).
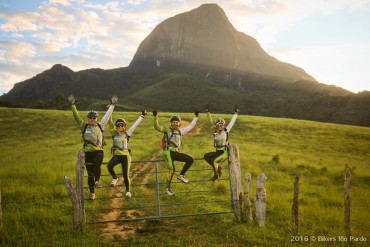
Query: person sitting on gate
(220,142)
(92,135)
(121,152)
(171,144)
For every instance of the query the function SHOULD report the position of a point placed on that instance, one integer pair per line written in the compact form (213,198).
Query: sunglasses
(120,125)
(92,118)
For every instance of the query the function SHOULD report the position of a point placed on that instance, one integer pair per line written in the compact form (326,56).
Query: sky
(329,39)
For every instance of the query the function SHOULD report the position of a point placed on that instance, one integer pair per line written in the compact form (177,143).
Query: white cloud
(16,52)
(20,22)
(338,60)
(84,34)
(8,27)
(135,2)
(264,20)
(61,2)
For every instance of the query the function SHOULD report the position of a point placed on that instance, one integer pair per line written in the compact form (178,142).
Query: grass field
(38,148)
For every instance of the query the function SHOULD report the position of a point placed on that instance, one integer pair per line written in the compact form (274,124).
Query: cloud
(336,71)
(15,52)
(265,20)
(83,34)
(135,2)
(20,22)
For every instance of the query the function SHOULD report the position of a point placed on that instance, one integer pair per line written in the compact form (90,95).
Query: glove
(208,108)
(236,110)
(113,100)
(71,99)
(144,112)
(196,112)
(155,113)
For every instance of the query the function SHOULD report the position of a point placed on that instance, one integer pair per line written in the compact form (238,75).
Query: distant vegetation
(39,148)
(182,90)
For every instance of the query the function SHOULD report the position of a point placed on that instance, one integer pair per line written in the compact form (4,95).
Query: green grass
(38,148)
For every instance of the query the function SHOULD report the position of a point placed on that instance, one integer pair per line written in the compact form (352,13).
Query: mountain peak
(204,38)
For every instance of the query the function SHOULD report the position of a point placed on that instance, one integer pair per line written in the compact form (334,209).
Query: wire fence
(149,200)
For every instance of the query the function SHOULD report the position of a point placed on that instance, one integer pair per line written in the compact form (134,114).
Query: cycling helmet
(92,114)
(120,121)
(175,118)
(219,121)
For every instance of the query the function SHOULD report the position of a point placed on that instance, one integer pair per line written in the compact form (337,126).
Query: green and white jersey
(121,139)
(175,136)
(220,138)
(92,134)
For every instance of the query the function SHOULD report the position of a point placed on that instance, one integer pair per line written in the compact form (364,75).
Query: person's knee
(191,160)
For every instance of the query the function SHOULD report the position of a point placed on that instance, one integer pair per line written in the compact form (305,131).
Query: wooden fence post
(76,194)
(248,203)
(347,202)
(234,166)
(76,223)
(295,205)
(260,200)
(1,211)
(80,183)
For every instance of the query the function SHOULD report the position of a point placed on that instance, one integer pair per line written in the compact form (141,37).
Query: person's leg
(171,167)
(111,164)
(89,164)
(223,155)
(210,157)
(98,160)
(183,158)
(125,171)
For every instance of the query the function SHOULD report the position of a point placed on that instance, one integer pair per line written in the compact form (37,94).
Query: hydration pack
(115,147)
(89,142)
(166,139)
(226,142)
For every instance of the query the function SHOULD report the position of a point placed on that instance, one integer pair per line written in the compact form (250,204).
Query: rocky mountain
(197,58)
(204,38)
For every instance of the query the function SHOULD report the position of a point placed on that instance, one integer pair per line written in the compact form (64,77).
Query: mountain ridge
(170,72)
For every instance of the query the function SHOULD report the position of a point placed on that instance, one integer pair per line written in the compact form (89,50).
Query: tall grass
(38,148)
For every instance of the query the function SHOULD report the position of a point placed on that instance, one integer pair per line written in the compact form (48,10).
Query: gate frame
(78,205)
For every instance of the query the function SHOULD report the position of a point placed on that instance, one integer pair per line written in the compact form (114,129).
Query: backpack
(88,142)
(115,147)
(166,139)
(227,140)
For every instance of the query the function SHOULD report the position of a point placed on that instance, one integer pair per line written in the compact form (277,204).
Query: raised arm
(191,125)
(233,119)
(138,121)
(76,116)
(209,117)
(107,115)
(156,124)
(111,123)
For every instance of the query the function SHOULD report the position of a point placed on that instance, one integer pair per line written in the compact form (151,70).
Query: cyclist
(121,152)
(171,143)
(92,135)
(221,142)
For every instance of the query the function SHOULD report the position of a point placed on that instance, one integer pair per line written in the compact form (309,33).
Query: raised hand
(155,112)
(236,108)
(71,99)
(208,108)
(114,100)
(144,112)
(196,112)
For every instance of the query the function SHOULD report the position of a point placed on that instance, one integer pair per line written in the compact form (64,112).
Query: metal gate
(149,199)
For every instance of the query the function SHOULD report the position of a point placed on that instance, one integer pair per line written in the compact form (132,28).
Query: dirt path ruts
(116,231)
